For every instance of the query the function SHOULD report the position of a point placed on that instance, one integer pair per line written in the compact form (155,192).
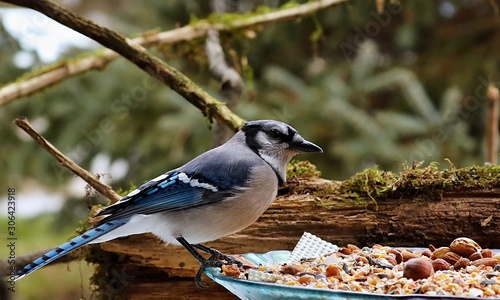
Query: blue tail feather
(73,244)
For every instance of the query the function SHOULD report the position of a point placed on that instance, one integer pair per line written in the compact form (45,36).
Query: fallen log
(397,214)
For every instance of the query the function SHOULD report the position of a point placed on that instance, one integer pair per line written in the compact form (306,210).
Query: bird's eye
(274,133)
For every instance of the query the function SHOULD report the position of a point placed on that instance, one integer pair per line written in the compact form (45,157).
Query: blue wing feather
(169,194)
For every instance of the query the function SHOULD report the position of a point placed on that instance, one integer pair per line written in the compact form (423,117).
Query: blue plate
(246,289)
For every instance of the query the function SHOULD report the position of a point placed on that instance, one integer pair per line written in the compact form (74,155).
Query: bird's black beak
(305,146)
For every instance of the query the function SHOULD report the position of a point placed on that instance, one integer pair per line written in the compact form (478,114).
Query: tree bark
(167,271)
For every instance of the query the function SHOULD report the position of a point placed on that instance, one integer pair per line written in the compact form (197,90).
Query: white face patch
(262,139)
(297,138)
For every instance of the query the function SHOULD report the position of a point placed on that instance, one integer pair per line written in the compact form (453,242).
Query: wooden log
(164,272)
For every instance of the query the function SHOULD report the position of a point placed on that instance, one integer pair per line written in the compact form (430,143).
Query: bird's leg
(204,263)
(217,255)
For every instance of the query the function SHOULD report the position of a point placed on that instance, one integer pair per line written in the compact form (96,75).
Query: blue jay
(218,193)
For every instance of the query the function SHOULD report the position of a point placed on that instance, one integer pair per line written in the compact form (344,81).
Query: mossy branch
(33,82)
(138,55)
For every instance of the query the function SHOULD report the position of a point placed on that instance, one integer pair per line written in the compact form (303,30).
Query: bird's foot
(216,260)
(219,256)
(209,263)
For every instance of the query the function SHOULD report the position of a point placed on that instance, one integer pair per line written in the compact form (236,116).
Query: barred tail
(74,244)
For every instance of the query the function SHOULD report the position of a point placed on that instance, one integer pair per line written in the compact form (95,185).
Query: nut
(485,261)
(231,270)
(353,248)
(464,246)
(461,263)
(475,256)
(427,253)
(408,254)
(306,279)
(440,264)
(487,253)
(418,268)
(497,257)
(440,252)
(332,270)
(451,257)
(292,269)
(397,254)
(391,259)
(345,250)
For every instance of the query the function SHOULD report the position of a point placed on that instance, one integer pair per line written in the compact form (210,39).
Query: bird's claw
(230,260)
(216,260)
(209,263)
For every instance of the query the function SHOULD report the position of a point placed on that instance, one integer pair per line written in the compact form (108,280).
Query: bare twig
(101,187)
(53,74)
(136,54)
(492,124)
(231,81)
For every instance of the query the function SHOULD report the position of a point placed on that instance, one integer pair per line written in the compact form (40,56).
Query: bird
(220,192)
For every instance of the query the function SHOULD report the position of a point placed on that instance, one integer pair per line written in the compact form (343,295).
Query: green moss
(303,169)
(416,180)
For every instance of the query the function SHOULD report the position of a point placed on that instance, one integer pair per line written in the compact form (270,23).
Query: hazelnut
(440,252)
(485,261)
(475,256)
(440,264)
(464,246)
(397,254)
(418,268)
(461,263)
(451,257)
(487,253)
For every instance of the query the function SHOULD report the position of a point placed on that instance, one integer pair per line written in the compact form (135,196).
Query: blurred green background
(370,87)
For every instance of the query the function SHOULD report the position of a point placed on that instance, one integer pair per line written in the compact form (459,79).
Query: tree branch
(51,75)
(231,82)
(65,161)
(138,55)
